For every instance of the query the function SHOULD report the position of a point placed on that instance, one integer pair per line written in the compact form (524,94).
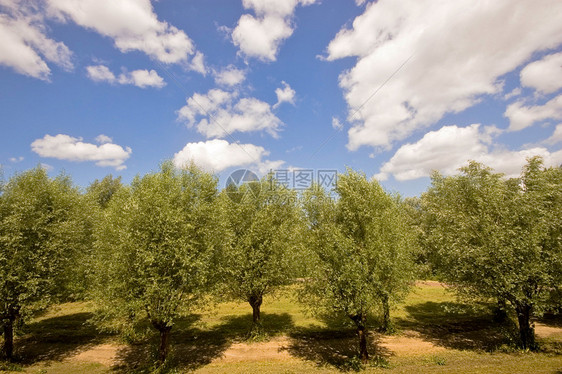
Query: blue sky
(394,88)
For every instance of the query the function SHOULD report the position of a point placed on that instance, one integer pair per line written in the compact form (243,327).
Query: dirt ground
(408,343)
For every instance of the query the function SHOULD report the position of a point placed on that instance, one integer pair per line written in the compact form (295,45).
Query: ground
(436,333)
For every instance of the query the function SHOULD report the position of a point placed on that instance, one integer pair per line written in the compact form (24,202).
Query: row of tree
(157,249)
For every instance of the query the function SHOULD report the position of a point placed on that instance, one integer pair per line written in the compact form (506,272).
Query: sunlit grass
(467,339)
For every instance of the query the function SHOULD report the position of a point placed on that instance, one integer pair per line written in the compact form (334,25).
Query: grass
(435,333)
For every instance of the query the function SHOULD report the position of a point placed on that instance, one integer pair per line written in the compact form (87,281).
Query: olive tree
(360,252)
(262,235)
(154,246)
(41,232)
(499,238)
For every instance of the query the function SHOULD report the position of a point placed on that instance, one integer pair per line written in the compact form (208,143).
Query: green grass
(466,337)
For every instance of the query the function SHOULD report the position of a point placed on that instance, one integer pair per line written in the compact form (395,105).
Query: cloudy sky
(394,88)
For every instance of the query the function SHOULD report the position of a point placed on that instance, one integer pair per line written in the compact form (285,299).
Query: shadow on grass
(192,347)
(54,339)
(552,320)
(458,326)
(336,346)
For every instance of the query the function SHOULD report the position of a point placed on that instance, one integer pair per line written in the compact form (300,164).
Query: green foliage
(101,192)
(41,233)
(360,250)
(154,247)
(499,238)
(261,240)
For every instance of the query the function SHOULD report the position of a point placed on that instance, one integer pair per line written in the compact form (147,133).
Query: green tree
(262,235)
(360,247)
(154,248)
(102,191)
(499,238)
(41,232)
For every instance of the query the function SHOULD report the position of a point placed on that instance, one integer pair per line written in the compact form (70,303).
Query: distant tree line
(171,241)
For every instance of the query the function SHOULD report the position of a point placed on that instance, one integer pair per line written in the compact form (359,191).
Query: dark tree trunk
(8,347)
(386,323)
(163,348)
(256,301)
(360,320)
(164,344)
(526,331)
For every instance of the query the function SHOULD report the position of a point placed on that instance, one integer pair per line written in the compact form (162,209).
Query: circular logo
(237,179)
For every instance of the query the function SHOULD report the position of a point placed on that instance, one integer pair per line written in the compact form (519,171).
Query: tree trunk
(526,331)
(164,344)
(360,320)
(8,347)
(164,330)
(255,301)
(386,323)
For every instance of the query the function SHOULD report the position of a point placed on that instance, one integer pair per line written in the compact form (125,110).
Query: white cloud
(139,78)
(16,159)
(230,76)
(458,50)
(260,36)
(24,45)
(450,147)
(220,113)
(336,124)
(513,93)
(102,139)
(556,135)
(545,75)
(133,26)
(100,73)
(521,116)
(142,79)
(64,147)
(46,167)
(217,154)
(284,95)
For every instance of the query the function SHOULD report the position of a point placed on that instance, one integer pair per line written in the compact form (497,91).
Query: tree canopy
(154,248)
(497,237)
(261,239)
(41,232)
(360,251)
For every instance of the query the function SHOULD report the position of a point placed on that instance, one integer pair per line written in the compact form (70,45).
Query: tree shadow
(551,319)
(458,326)
(330,347)
(56,338)
(193,347)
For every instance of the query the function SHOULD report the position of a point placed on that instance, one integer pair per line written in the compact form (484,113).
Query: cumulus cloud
(284,95)
(230,76)
(219,113)
(556,135)
(522,116)
(458,51)
(139,78)
(217,155)
(133,26)
(65,147)
(450,147)
(261,35)
(544,75)
(24,44)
